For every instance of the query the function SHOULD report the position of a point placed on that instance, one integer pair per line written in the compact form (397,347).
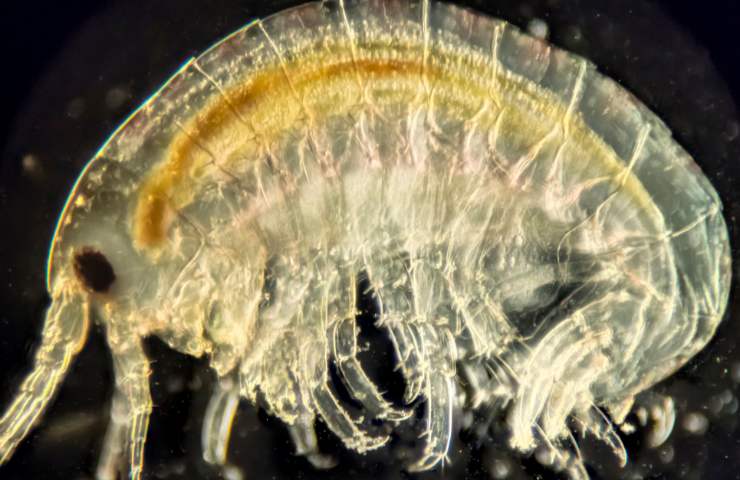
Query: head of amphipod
(91,276)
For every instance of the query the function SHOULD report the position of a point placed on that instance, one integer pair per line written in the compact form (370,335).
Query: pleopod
(537,242)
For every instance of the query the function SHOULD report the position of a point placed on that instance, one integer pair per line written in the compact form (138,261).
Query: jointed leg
(109,463)
(218,420)
(362,389)
(64,334)
(315,379)
(131,406)
(304,438)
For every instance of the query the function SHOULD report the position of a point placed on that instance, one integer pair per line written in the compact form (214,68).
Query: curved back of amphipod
(535,239)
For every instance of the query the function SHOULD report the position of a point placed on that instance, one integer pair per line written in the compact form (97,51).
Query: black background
(71,71)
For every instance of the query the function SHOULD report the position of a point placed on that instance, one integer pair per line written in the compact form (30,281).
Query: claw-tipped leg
(64,334)
(218,421)
(339,421)
(440,397)
(132,404)
(360,386)
(326,404)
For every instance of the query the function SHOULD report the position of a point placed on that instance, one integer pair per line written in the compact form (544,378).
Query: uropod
(537,243)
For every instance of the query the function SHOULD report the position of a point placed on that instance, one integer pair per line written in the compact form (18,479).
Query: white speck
(732,130)
(31,165)
(695,423)
(231,472)
(736,372)
(731,407)
(538,28)
(500,469)
(666,454)
(715,404)
(116,97)
(544,457)
(467,420)
(195,383)
(574,34)
(642,416)
(628,428)
(722,401)
(175,385)
(75,108)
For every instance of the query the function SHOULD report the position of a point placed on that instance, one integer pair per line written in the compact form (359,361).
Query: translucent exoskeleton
(537,242)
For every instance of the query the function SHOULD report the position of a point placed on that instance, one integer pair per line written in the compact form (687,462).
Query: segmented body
(534,236)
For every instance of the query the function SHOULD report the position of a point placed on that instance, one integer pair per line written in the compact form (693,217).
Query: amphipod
(537,242)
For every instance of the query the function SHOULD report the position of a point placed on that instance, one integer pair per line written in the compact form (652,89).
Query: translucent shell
(535,238)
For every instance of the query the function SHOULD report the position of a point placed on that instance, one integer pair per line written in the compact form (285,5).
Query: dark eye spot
(94,270)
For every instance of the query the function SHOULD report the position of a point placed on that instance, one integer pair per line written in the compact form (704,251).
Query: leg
(362,389)
(132,404)
(440,399)
(63,336)
(218,420)
(315,381)
(439,393)
(304,438)
(109,463)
